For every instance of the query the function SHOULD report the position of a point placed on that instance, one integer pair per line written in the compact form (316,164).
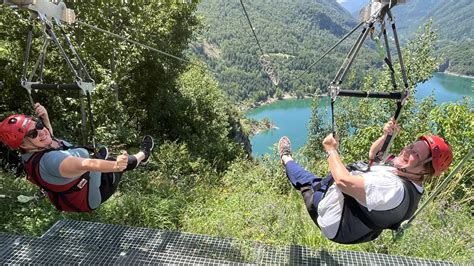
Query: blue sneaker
(146,147)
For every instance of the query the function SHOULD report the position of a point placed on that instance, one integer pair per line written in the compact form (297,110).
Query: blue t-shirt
(49,170)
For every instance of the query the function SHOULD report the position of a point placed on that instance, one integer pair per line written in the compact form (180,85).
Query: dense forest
(293,34)
(452,21)
(201,178)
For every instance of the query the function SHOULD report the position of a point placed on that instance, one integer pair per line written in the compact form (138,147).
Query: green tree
(135,85)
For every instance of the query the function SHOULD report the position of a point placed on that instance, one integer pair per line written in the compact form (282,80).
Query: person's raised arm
(72,166)
(389,128)
(351,185)
(43,114)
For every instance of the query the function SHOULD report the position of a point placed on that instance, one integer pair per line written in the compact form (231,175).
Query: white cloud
(341,1)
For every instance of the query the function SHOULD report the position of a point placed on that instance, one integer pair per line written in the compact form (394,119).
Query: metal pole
(83,120)
(388,141)
(350,56)
(389,58)
(91,118)
(73,50)
(349,64)
(377,95)
(40,60)
(333,121)
(342,70)
(51,34)
(399,51)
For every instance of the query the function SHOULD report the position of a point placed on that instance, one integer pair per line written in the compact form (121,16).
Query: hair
(429,168)
(429,171)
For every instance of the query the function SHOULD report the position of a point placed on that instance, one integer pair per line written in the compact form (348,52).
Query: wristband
(329,153)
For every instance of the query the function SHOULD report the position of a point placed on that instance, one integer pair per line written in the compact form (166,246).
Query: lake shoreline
(286,96)
(456,74)
(292,115)
(289,96)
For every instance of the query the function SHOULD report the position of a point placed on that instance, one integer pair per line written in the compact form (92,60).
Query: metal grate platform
(75,242)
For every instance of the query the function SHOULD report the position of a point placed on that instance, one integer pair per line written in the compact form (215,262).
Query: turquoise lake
(291,117)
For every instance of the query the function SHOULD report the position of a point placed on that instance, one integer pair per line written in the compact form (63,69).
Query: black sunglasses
(33,133)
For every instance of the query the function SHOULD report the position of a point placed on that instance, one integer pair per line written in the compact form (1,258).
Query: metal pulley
(49,9)
(376,9)
(267,67)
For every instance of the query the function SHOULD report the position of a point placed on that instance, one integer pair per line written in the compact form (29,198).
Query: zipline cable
(264,58)
(141,44)
(251,27)
(330,50)
(335,45)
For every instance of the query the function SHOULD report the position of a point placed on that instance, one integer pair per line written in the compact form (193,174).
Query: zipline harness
(374,13)
(48,12)
(264,58)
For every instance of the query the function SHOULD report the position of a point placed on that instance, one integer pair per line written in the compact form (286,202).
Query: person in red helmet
(73,181)
(353,205)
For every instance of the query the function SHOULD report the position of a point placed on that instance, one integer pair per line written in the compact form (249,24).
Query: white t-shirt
(383,189)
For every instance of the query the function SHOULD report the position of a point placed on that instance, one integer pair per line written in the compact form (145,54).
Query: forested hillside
(199,179)
(293,33)
(353,6)
(452,21)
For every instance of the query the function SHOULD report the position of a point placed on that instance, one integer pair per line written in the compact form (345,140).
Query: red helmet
(13,130)
(441,153)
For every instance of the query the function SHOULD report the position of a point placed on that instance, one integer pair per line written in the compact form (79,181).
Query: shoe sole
(151,149)
(279,145)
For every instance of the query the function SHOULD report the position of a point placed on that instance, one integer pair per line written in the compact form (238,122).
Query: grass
(251,202)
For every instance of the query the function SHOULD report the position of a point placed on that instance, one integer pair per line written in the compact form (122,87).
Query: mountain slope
(353,6)
(294,34)
(452,20)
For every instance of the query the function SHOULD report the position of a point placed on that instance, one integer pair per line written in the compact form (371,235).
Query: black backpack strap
(412,206)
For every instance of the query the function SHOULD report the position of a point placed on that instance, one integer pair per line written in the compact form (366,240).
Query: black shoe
(146,147)
(102,153)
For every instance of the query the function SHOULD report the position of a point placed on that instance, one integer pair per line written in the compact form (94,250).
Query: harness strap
(35,175)
(353,205)
(82,181)
(411,207)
